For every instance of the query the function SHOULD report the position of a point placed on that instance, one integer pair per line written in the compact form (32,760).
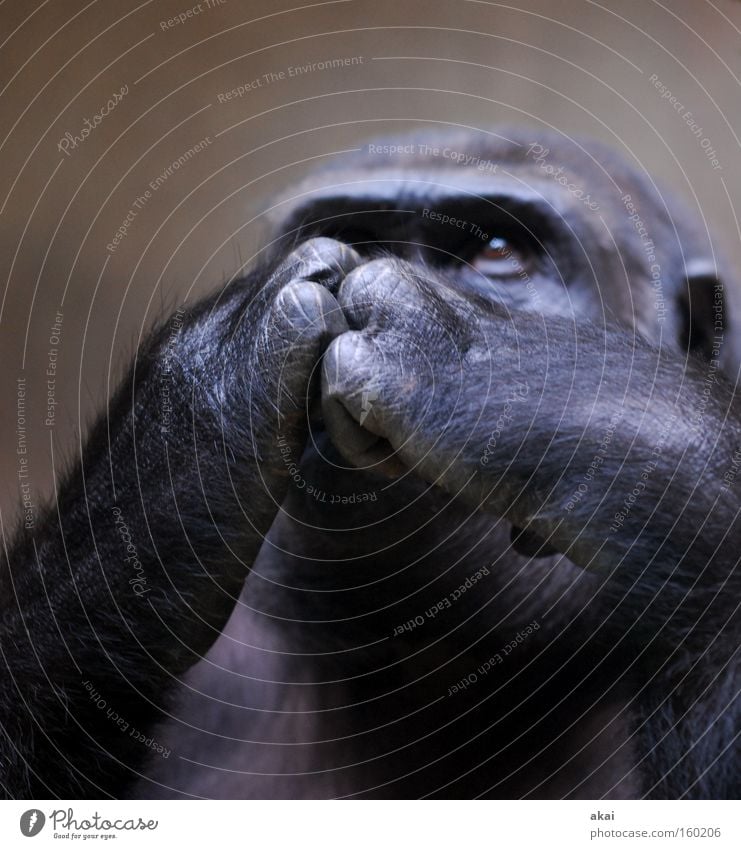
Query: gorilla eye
(501,258)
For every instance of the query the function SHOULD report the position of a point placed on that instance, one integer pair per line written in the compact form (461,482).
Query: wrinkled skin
(395,433)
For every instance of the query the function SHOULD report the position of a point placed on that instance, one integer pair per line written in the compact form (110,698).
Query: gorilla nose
(348,398)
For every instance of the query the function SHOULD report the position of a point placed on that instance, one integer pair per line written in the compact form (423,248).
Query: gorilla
(440,499)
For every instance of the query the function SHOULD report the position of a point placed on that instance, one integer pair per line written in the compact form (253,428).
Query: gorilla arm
(130,577)
(598,443)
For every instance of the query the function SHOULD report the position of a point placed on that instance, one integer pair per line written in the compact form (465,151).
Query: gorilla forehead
(598,168)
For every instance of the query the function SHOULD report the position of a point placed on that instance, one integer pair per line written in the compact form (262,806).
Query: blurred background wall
(71,175)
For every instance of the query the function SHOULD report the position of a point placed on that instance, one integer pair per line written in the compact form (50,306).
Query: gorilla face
(519,225)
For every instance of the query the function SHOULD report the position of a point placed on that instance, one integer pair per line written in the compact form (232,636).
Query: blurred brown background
(581,67)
